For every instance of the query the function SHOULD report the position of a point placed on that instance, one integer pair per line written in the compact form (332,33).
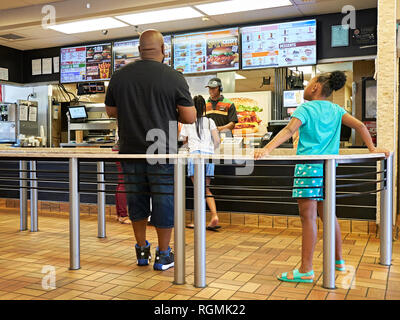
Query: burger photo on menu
(222,53)
(223,56)
(248,120)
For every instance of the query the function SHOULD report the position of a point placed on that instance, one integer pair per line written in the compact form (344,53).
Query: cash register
(91,123)
(273,128)
(77,114)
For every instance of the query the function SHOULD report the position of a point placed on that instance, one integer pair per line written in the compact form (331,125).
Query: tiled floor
(242,263)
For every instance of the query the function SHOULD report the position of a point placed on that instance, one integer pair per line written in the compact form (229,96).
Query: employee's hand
(381,150)
(258,154)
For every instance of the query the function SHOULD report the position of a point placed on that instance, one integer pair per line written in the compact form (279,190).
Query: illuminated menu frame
(176,52)
(240,43)
(86,46)
(116,44)
(278,62)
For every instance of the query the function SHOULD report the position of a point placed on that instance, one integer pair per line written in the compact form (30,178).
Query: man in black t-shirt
(148,98)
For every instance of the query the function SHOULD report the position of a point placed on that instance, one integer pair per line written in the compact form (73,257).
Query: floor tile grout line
(282,236)
(280,282)
(387,281)
(274,257)
(358,265)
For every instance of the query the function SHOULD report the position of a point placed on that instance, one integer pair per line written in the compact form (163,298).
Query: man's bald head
(151,45)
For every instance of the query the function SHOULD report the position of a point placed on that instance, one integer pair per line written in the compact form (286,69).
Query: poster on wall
(340,36)
(369,98)
(371,127)
(207,51)
(279,45)
(47,66)
(36,67)
(3,74)
(85,63)
(253,110)
(56,64)
(128,51)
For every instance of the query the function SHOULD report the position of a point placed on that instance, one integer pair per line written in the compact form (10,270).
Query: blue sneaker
(164,260)
(143,254)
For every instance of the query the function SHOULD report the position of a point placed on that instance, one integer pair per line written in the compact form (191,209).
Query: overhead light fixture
(88,25)
(160,16)
(231,6)
(239,76)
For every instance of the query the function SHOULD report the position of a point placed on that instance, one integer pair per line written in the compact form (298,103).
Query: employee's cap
(214,82)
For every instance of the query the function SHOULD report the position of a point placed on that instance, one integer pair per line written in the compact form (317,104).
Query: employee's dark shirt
(146,94)
(222,111)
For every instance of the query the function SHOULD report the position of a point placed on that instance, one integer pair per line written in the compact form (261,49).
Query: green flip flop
(339,268)
(307,277)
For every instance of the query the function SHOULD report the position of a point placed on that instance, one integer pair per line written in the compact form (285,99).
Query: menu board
(279,45)
(85,63)
(207,51)
(128,51)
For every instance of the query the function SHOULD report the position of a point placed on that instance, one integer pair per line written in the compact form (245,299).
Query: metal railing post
(386,215)
(199,224)
(329,224)
(34,197)
(101,201)
(74,219)
(23,195)
(180,219)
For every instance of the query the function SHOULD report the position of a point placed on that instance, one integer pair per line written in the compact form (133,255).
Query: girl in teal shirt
(318,122)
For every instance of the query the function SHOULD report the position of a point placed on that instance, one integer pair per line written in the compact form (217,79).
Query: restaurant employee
(220,109)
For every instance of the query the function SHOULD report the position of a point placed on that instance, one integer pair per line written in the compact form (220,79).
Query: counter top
(240,154)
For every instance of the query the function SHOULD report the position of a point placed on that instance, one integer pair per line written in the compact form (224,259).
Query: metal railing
(330,162)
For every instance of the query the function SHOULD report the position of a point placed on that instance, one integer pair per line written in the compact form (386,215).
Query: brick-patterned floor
(242,263)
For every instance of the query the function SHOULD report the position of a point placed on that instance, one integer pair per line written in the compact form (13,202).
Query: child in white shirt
(202,138)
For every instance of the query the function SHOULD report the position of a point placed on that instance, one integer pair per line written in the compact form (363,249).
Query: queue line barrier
(385,189)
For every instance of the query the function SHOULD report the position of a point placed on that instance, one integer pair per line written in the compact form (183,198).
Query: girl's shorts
(306,174)
(209,166)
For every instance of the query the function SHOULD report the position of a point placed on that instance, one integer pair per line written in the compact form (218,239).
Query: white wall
(197,84)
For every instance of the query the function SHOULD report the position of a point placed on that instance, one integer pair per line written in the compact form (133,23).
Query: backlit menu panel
(279,45)
(85,63)
(207,51)
(128,51)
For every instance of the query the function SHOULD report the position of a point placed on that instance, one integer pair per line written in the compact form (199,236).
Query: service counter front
(75,172)
(276,201)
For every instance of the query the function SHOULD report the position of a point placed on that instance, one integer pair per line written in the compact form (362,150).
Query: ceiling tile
(332,6)
(12,4)
(258,15)
(17,20)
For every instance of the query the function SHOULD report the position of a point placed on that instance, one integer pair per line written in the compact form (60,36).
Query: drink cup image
(298,97)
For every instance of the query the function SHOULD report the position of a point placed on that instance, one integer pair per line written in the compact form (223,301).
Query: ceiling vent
(11,36)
